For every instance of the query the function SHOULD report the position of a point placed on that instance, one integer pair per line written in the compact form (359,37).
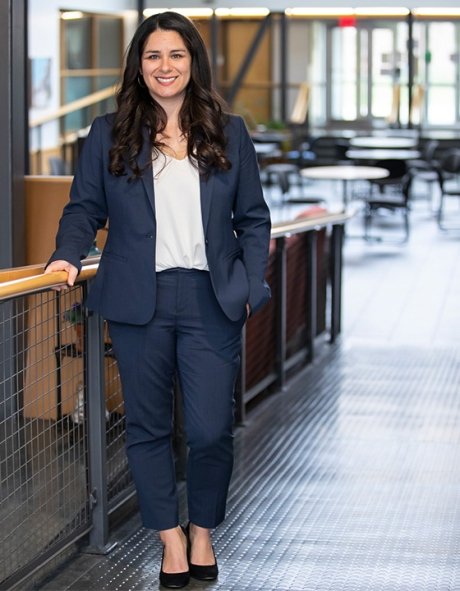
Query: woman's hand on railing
(71,270)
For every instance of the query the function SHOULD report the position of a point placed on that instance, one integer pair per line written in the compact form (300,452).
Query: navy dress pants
(191,337)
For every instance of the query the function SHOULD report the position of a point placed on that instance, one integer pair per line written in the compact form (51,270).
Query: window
(91,60)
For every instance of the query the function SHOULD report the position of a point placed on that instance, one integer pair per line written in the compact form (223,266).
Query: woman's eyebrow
(159,51)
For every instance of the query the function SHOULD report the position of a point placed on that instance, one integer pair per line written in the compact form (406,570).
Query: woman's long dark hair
(201,116)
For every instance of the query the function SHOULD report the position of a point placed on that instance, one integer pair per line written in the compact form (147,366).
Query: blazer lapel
(147,175)
(205,194)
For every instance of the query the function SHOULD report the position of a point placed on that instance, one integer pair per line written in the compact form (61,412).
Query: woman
(182,269)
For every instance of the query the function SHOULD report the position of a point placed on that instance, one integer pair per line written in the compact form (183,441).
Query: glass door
(437,71)
(368,72)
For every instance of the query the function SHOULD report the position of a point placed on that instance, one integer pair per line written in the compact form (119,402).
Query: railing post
(95,404)
(311,292)
(281,311)
(336,280)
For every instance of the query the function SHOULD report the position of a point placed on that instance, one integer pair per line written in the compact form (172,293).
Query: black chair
(57,166)
(448,171)
(328,150)
(424,169)
(397,202)
(281,175)
(397,168)
(427,161)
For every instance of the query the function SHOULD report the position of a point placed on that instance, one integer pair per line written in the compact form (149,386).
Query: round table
(344,173)
(383,142)
(266,150)
(276,137)
(382,154)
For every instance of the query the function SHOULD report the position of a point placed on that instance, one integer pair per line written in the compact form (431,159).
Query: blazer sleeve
(251,221)
(86,212)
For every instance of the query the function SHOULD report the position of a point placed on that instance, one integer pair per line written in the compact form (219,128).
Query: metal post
(140,11)
(214,49)
(13,130)
(95,404)
(312,293)
(283,67)
(336,280)
(410,58)
(281,280)
(13,166)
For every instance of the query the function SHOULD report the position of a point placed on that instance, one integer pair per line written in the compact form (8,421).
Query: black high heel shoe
(198,571)
(174,580)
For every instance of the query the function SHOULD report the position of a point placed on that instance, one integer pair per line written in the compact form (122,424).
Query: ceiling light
(242,12)
(69,15)
(304,11)
(436,11)
(381,11)
(151,11)
(190,12)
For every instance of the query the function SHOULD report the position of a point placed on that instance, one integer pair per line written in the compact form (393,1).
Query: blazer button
(149,236)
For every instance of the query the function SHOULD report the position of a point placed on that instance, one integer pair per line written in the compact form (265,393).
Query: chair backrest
(57,166)
(451,161)
(325,149)
(429,150)
(406,185)
(396,167)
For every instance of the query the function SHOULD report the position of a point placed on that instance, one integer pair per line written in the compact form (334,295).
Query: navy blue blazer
(236,225)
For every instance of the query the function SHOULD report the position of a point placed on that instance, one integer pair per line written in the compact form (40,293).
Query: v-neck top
(180,236)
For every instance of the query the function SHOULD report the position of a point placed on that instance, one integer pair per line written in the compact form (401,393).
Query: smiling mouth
(166,80)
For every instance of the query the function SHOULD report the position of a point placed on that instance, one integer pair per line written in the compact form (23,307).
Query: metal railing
(63,468)
(68,141)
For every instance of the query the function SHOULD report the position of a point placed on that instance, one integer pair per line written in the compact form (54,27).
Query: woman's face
(166,66)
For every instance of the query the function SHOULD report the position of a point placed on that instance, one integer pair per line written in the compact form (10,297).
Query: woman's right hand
(71,270)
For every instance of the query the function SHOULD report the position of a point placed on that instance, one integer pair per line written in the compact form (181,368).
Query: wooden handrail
(24,280)
(36,283)
(90,99)
(305,224)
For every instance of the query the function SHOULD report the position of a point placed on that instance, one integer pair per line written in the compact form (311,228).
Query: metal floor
(349,480)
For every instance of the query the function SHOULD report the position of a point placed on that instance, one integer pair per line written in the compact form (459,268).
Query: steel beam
(13,131)
(236,84)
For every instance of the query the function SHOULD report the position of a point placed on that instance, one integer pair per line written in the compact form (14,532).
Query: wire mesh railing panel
(118,474)
(43,476)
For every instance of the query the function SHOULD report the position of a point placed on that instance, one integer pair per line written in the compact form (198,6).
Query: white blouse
(180,237)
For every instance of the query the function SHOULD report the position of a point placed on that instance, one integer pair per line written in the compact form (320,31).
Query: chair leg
(367,222)
(406,225)
(440,212)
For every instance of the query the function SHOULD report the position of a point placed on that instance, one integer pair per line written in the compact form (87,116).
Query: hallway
(349,479)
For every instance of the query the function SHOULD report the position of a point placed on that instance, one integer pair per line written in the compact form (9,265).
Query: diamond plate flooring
(349,480)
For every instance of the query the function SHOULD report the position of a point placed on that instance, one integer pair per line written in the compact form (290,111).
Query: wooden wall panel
(252,103)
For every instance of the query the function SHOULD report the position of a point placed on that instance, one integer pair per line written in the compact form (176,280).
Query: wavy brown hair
(201,117)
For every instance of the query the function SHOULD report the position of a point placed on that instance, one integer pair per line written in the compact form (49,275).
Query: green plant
(74,315)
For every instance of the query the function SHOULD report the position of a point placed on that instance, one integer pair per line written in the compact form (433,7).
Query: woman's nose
(165,65)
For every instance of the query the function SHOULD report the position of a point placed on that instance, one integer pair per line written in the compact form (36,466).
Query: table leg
(345,192)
